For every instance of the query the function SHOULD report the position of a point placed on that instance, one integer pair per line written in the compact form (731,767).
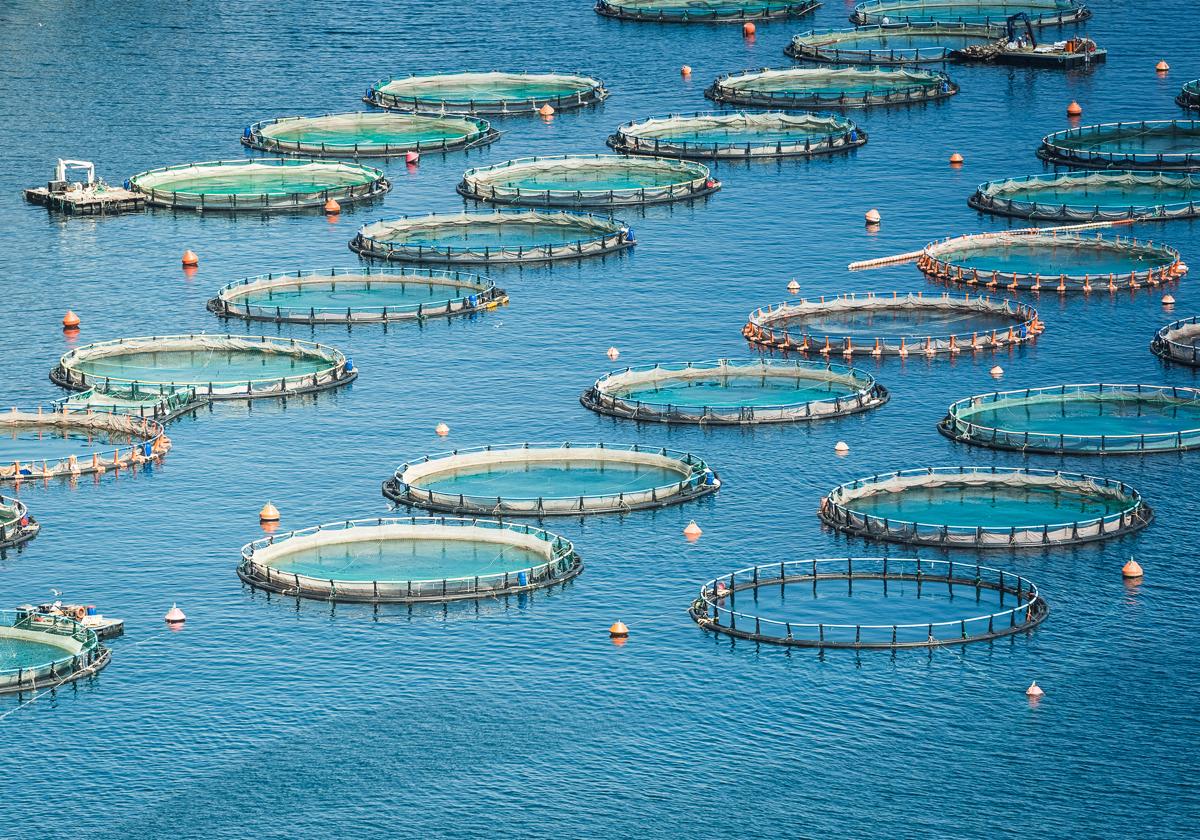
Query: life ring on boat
(80,613)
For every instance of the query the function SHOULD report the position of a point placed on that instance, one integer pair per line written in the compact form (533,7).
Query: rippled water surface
(273,719)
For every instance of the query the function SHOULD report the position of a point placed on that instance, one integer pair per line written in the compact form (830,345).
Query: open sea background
(272,718)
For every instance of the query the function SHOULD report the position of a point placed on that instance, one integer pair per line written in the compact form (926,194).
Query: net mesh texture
(737,135)
(368,134)
(846,87)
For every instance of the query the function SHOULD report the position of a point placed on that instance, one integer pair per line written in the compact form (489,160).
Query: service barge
(1023,50)
(91,197)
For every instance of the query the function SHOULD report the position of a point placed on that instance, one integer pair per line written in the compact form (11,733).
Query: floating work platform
(104,626)
(90,197)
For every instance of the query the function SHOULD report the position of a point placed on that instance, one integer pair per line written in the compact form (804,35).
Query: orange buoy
(1132,569)
(692,531)
(956,159)
(413,157)
(442,429)
(70,321)
(269,513)
(841,447)
(618,630)
(1168,300)
(332,208)
(190,259)
(685,71)
(174,615)
(1074,109)
(793,286)
(614,353)
(748,29)
(546,110)
(872,216)
(996,371)
(1034,690)
(1162,66)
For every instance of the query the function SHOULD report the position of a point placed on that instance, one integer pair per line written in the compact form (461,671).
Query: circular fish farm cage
(496,92)
(1053,261)
(44,651)
(537,479)
(409,560)
(155,404)
(1094,419)
(869,603)
(892,325)
(494,236)
(368,134)
(1091,196)
(1179,341)
(1159,144)
(738,135)
(217,366)
(356,296)
(1189,95)
(728,392)
(890,45)
(587,181)
(819,87)
(264,184)
(985,507)
(1041,12)
(704,11)
(70,442)
(17,524)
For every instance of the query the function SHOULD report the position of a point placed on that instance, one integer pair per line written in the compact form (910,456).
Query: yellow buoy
(269,513)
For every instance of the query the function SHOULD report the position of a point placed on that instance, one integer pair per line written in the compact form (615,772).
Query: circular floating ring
(1179,341)
(985,507)
(704,11)
(17,524)
(497,92)
(728,392)
(1189,95)
(819,87)
(1094,419)
(409,560)
(1060,262)
(72,441)
(492,236)
(44,651)
(883,582)
(738,135)
(1155,144)
(356,295)
(1091,196)
(890,45)
(263,184)
(217,366)
(587,181)
(547,479)
(368,134)
(892,325)
(1041,12)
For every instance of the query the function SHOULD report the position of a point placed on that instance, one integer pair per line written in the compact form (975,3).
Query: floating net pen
(151,403)
(409,560)
(44,651)
(898,324)
(1093,419)
(1189,95)
(1091,196)
(891,44)
(704,11)
(1179,341)
(494,236)
(897,602)
(17,524)
(985,507)
(738,135)
(72,441)
(1158,144)
(726,392)
(1040,12)
(356,296)
(846,87)
(496,92)
(536,479)
(368,134)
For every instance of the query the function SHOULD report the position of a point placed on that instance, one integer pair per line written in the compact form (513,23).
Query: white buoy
(841,447)
(1034,690)
(996,371)
(174,615)
(614,353)
(442,429)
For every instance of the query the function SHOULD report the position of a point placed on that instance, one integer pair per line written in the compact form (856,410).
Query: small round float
(1040,12)
(738,135)
(493,236)
(892,325)
(73,441)
(356,295)
(890,45)
(985,507)
(261,184)
(1093,419)
(216,366)
(844,87)
(1054,261)
(44,651)
(496,92)
(1189,95)
(1179,341)
(587,180)
(368,134)
(1157,144)
(1092,196)
(17,524)
(409,560)
(704,11)
(538,479)
(726,392)
(870,603)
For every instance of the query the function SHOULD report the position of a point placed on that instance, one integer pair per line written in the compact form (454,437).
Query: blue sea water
(272,718)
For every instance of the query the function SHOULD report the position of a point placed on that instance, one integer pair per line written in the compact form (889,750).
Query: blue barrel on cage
(709,477)
(522,579)
(147,449)
(472,301)
(246,132)
(854,135)
(349,364)
(91,610)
